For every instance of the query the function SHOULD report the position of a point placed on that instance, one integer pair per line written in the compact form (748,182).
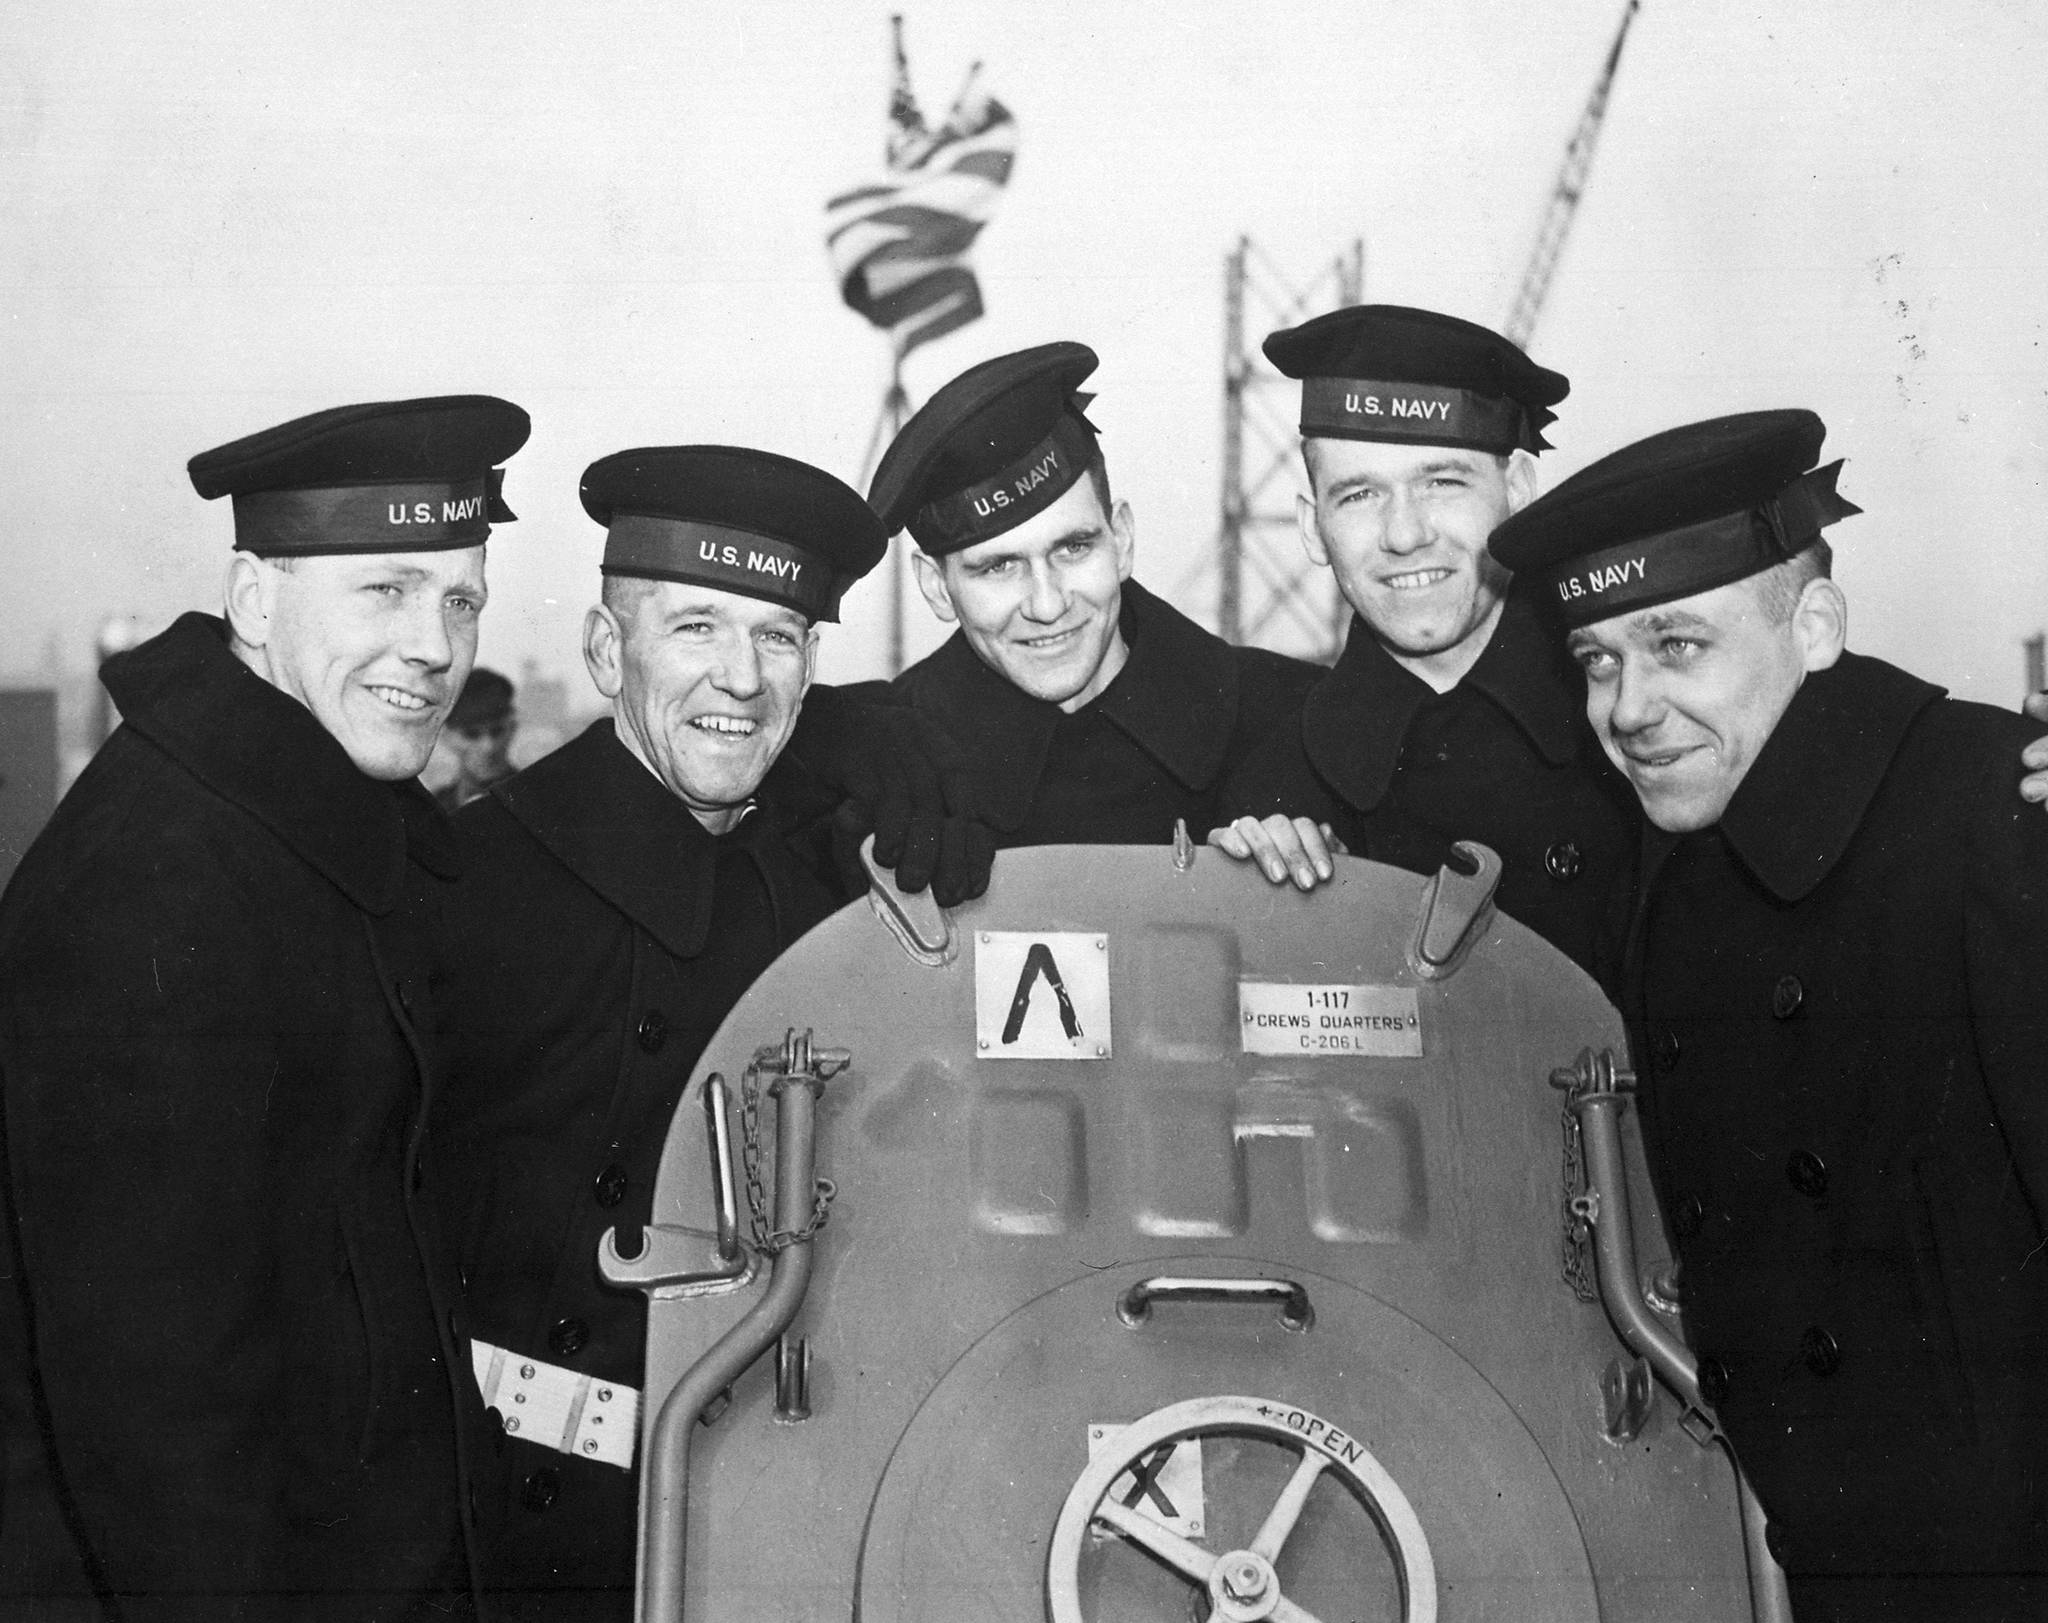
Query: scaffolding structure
(1267,592)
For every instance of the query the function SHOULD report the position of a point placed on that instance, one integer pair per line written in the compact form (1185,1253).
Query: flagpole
(889,423)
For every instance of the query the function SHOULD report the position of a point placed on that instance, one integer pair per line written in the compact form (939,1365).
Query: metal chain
(766,1239)
(1578,1233)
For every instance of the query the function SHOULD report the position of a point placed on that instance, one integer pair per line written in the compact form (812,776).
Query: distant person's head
(1692,584)
(358,575)
(1419,434)
(719,564)
(479,734)
(1001,483)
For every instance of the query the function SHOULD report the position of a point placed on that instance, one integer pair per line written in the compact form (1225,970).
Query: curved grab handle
(1134,1307)
(918,923)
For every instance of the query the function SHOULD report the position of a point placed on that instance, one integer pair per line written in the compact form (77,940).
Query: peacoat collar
(613,824)
(263,751)
(1175,698)
(1355,720)
(1801,802)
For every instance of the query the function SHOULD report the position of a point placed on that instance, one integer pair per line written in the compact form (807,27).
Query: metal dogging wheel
(1243,1585)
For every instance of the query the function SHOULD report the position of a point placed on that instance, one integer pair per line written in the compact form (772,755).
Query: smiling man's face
(1040,603)
(1404,527)
(377,646)
(705,686)
(1684,695)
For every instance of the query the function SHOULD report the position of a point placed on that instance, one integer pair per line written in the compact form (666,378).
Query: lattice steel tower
(1267,592)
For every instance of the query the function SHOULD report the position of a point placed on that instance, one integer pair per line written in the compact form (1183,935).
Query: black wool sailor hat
(1388,372)
(736,519)
(1679,513)
(386,476)
(998,445)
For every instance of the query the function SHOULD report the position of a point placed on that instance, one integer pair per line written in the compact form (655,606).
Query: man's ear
(250,599)
(1311,532)
(810,662)
(603,650)
(1123,526)
(1820,621)
(1521,477)
(931,581)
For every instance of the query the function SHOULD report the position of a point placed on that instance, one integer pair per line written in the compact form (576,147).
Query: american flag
(899,248)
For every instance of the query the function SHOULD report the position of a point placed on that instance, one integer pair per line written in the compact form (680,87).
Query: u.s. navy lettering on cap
(1019,490)
(1388,372)
(385,476)
(990,450)
(733,519)
(720,556)
(1425,413)
(1682,512)
(1678,562)
(414,517)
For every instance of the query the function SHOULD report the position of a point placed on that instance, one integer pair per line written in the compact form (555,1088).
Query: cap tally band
(424,516)
(1425,413)
(1021,490)
(1699,557)
(719,556)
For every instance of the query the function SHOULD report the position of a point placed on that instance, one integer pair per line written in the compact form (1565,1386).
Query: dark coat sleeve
(138,1068)
(1267,769)
(1276,776)
(2005,948)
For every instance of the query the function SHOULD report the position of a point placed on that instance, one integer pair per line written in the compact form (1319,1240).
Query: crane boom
(1564,196)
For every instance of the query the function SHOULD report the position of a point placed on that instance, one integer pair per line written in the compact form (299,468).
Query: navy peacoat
(1153,746)
(594,944)
(1400,771)
(228,1382)
(1839,996)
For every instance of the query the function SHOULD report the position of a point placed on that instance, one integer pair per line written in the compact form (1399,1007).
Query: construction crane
(1564,196)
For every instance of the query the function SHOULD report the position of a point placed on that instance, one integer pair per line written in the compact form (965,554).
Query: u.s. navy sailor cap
(1388,372)
(998,445)
(736,519)
(1681,512)
(385,476)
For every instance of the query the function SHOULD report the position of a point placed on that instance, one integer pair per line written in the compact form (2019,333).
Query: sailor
(1452,713)
(1086,708)
(233,1383)
(618,897)
(1837,986)
(476,745)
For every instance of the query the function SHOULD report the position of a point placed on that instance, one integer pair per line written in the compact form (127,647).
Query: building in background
(29,769)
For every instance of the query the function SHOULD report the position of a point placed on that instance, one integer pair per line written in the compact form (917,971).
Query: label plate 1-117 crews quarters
(1284,1017)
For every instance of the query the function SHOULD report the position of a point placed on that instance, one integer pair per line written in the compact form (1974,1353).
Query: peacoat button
(1713,1380)
(1563,860)
(541,1489)
(1687,1217)
(609,1186)
(653,1031)
(402,990)
(568,1337)
(1808,1173)
(1664,1049)
(1819,1351)
(1786,997)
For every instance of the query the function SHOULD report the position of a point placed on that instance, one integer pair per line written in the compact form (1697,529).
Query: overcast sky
(223,214)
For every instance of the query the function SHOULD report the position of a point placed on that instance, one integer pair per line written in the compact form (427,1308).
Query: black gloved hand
(905,784)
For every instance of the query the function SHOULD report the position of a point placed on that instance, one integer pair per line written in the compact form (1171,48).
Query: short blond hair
(1778,588)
